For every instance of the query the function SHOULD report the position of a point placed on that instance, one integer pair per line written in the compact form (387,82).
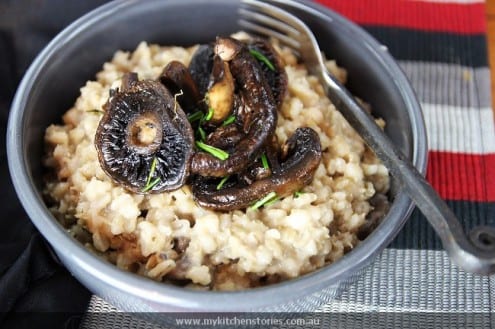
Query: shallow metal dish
(52,84)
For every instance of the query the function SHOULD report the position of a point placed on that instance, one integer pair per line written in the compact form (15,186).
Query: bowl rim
(163,295)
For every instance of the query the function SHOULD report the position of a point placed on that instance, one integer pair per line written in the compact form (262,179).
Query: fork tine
(269,21)
(270,33)
(275,12)
(271,18)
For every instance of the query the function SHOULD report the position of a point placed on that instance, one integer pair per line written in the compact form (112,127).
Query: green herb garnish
(195,116)
(96,111)
(262,58)
(151,185)
(222,182)
(272,201)
(297,194)
(216,152)
(209,115)
(264,161)
(229,120)
(202,134)
(266,200)
(152,171)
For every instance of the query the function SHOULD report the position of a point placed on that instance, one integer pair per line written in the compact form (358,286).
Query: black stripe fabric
(418,233)
(417,51)
(408,44)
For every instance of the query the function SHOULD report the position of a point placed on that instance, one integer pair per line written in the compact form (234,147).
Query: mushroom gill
(144,140)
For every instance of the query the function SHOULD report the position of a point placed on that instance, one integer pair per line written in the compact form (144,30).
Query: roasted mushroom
(381,206)
(144,140)
(303,155)
(272,67)
(226,137)
(178,80)
(204,64)
(231,91)
(215,82)
(220,96)
(200,67)
(257,96)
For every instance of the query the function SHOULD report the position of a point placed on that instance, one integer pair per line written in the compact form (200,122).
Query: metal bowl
(52,84)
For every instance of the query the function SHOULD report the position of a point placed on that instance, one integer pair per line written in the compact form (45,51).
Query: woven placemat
(399,288)
(441,46)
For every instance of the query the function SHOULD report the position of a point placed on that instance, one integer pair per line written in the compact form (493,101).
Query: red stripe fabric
(460,176)
(461,18)
(456,176)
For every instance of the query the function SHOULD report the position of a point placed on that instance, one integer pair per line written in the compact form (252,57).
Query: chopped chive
(195,116)
(272,201)
(151,185)
(297,194)
(202,134)
(264,161)
(262,58)
(152,171)
(216,152)
(180,93)
(269,197)
(229,120)
(209,115)
(222,182)
(96,111)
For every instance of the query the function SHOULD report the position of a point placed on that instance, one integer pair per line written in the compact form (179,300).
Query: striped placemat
(441,46)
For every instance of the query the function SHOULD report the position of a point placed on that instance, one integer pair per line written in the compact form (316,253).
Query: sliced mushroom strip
(253,173)
(128,80)
(272,153)
(267,164)
(303,157)
(144,140)
(178,80)
(200,67)
(273,67)
(225,138)
(381,206)
(257,95)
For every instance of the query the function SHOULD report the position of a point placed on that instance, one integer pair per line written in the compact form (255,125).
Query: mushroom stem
(221,93)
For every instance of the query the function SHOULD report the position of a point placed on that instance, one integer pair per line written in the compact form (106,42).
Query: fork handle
(475,253)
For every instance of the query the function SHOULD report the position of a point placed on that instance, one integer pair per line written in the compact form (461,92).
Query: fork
(475,252)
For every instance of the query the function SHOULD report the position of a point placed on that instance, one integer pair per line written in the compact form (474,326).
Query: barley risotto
(169,237)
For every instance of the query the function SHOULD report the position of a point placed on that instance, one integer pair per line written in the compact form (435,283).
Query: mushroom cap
(144,140)
(201,65)
(177,79)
